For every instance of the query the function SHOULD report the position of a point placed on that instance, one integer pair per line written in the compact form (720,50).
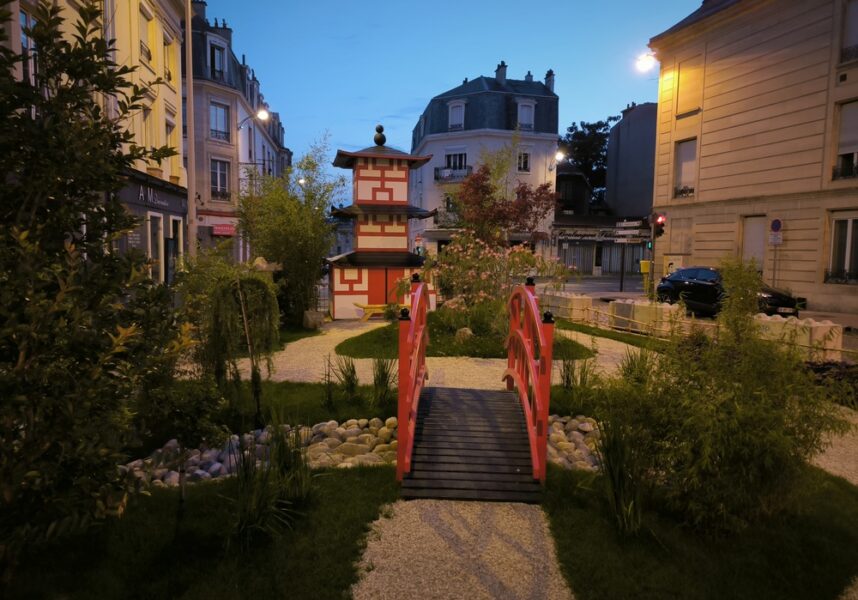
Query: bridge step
(471,445)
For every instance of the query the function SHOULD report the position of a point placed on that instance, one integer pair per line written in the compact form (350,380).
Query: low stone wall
(571,445)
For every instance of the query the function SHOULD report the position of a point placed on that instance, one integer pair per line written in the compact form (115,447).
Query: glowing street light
(560,156)
(645,62)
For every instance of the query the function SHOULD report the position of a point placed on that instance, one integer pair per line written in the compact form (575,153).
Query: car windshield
(707,275)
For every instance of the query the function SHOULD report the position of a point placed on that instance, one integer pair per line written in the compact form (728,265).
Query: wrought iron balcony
(145,52)
(447,219)
(683,192)
(222,195)
(848,54)
(217,74)
(456,126)
(842,277)
(217,134)
(445,175)
(846,171)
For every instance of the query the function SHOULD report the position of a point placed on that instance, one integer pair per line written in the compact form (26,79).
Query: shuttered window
(847,144)
(690,86)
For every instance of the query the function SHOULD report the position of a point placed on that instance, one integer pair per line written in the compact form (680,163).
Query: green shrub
(329,387)
(638,365)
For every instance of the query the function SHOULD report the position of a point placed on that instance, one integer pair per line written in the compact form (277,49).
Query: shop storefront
(162,208)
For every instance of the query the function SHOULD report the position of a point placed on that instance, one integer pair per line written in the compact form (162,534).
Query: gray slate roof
(491,84)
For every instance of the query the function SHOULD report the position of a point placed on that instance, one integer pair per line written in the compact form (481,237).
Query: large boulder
(463,335)
(350,449)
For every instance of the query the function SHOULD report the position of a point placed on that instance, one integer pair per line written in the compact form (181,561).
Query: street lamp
(645,62)
(261,115)
(559,157)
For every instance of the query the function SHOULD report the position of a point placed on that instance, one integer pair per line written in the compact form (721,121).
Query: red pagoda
(364,280)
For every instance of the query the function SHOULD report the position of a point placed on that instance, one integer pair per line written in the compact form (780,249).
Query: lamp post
(261,115)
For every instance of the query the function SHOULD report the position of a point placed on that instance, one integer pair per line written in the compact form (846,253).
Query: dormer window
(217,62)
(457,115)
(526,110)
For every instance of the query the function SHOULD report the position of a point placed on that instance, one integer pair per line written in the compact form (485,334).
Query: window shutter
(848,128)
(850,27)
(690,85)
(686,163)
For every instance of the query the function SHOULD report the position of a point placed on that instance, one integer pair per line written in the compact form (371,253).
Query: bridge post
(403,406)
(545,367)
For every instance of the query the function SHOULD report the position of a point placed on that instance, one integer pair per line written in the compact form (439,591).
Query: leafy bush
(638,366)
(729,421)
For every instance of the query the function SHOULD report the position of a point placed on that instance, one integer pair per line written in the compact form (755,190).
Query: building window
(28,48)
(170,137)
(843,267)
(457,161)
(216,62)
(686,168)
(690,91)
(219,121)
(168,60)
(220,178)
(457,116)
(155,246)
(847,147)
(148,136)
(525,115)
(849,47)
(145,24)
(524,162)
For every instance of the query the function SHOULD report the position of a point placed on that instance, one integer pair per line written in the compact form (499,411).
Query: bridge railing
(413,339)
(529,353)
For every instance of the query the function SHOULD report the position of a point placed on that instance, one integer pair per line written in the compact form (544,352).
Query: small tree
(285,221)
(75,340)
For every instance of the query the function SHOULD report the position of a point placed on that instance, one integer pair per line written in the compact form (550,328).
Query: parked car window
(707,275)
(680,275)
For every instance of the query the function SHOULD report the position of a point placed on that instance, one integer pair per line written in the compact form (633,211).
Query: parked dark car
(701,289)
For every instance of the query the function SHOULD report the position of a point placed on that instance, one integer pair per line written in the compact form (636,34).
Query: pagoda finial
(379,136)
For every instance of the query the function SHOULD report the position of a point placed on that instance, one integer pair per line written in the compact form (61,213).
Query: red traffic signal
(660,220)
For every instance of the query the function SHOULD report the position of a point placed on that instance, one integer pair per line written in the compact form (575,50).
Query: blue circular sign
(776,225)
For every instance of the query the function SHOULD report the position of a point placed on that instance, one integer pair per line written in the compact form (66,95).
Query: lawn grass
(383,342)
(303,403)
(632,339)
(810,553)
(149,553)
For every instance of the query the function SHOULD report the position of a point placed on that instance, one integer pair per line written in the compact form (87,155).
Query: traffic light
(660,220)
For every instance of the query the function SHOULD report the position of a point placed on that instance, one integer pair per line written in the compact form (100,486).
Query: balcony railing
(168,74)
(145,53)
(525,126)
(217,134)
(220,194)
(846,171)
(842,277)
(683,192)
(217,74)
(447,219)
(848,54)
(456,126)
(448,175)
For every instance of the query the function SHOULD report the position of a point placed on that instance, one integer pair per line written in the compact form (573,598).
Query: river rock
(332,443)
(586,427)
(556,438)
(391,423)
(376,422)
(350,449)
(381,449)
(384,434)
(394,445)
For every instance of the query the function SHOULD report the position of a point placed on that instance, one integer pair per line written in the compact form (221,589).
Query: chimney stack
(529,76)
(549,79)
(500,73)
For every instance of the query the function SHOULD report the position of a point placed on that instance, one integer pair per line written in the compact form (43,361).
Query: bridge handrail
(531,374)
(413,339)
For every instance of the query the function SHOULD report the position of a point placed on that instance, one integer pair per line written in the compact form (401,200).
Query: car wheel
(664,297)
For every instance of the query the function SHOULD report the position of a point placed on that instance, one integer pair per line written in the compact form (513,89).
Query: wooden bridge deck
(471,445)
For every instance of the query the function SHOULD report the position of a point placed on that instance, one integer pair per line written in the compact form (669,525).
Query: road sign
(629,240)
(776,225)
(776,238)
(638,232)
(638,223)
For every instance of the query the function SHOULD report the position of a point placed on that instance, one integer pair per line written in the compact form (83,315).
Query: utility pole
(651,287)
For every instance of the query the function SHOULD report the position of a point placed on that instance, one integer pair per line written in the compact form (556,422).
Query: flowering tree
(477,277)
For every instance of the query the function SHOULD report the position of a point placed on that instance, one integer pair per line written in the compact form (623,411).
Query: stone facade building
(237,136)
(757,151)
(481,115)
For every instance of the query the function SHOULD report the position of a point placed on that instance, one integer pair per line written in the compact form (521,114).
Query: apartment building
(757,143)
(481,115)
(237,136)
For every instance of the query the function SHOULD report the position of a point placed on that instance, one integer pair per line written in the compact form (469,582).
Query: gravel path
(304,360)
(468,550)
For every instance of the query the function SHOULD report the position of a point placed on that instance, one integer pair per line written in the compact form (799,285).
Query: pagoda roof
(363,258)
(355,210)
(346,160)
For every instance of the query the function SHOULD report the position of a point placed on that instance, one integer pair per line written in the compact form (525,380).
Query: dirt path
(468,550)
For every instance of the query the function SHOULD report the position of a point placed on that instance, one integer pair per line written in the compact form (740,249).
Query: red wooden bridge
(468,444)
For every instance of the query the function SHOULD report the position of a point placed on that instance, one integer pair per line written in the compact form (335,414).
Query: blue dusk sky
(341,66)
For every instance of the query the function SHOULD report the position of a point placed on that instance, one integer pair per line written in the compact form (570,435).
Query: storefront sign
(223,229)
